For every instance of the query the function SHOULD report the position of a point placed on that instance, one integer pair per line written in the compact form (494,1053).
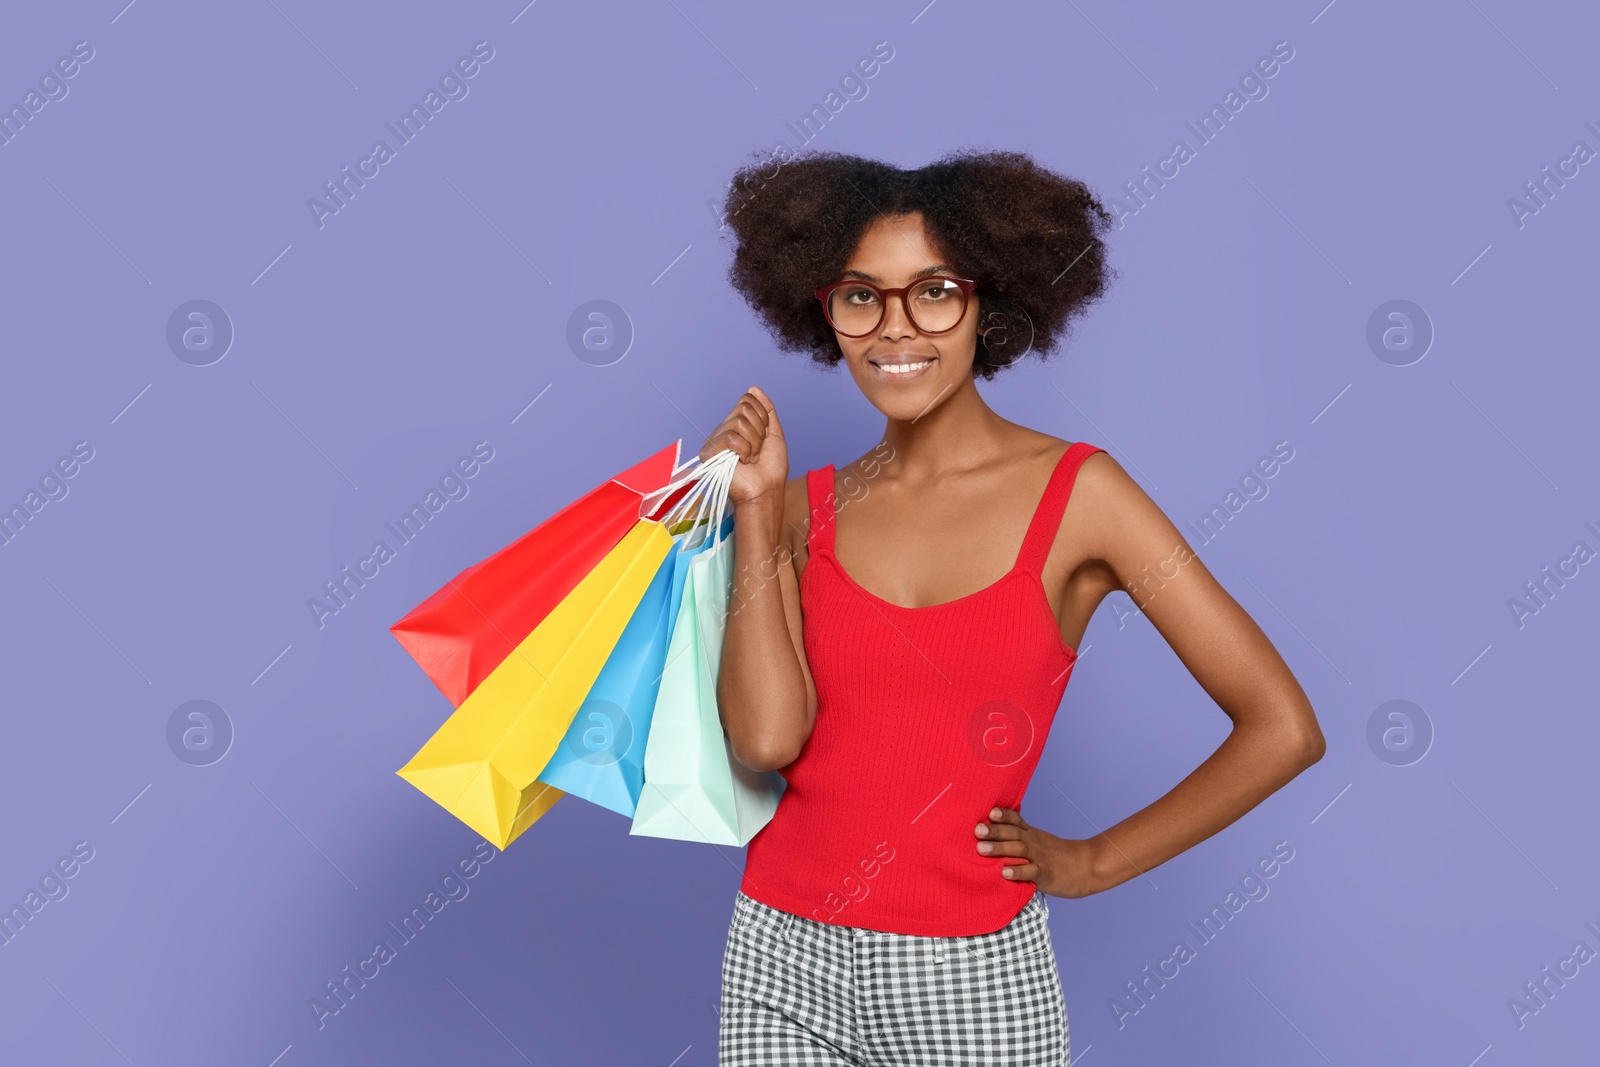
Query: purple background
(430,312)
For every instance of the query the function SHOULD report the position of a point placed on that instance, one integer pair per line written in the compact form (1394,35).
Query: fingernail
(982,831)
(995,813)
(985,847)
(1005,872)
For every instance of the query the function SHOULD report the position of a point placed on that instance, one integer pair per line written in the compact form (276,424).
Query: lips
(902,370)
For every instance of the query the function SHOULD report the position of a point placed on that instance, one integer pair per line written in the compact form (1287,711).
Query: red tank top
(926,718)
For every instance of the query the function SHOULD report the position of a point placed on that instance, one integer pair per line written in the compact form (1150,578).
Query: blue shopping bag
(694,788)
(601,757)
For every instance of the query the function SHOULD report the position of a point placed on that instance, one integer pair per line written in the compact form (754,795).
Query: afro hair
(1030,237)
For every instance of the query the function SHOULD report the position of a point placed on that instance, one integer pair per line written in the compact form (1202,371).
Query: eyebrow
(925,272)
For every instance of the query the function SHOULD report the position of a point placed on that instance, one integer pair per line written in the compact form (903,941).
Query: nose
(896,321)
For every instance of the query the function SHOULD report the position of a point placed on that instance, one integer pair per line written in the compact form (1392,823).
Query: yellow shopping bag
(482,765)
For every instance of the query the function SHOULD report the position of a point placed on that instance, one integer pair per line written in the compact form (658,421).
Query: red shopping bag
(465,630)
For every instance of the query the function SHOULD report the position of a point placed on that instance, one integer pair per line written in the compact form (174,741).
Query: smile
(903,372)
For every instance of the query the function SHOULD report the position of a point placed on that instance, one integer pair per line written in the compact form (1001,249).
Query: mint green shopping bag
(694,790)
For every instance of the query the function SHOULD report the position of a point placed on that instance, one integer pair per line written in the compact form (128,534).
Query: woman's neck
(957,433)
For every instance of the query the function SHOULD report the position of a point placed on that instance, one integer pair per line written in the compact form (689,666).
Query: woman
(887,662)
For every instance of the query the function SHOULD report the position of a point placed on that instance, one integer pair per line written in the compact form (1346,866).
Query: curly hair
(1030,237)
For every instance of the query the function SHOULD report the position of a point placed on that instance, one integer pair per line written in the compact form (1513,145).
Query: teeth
(902,368)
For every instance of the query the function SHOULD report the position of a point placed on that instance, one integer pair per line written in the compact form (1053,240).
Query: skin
(943,515)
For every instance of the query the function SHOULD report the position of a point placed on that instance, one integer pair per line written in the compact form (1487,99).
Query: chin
(907,404)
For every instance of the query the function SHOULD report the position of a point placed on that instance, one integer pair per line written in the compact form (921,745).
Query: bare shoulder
(1041,452)
(1109,508)
(1101,477)
(1102,497)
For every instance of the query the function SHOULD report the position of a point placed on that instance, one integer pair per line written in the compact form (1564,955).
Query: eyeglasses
(934,305)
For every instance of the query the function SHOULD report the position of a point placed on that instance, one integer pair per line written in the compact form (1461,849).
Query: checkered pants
(799,991)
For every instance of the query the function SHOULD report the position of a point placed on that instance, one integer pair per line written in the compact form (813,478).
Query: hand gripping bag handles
(601,757)
(466,629)
(482,764)
(694,790)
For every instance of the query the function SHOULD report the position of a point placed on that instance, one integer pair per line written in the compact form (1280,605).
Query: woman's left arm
(1275,734)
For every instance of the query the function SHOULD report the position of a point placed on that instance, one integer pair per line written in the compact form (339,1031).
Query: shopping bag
(482,764)
(601,758)
(469,626)
(694,789)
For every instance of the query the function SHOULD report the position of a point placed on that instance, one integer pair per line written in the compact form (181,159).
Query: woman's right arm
(764,689)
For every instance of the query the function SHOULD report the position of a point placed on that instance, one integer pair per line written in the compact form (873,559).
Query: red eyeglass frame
(966,285)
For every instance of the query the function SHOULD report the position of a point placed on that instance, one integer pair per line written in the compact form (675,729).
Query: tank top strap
(819,501)
(1047,517)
